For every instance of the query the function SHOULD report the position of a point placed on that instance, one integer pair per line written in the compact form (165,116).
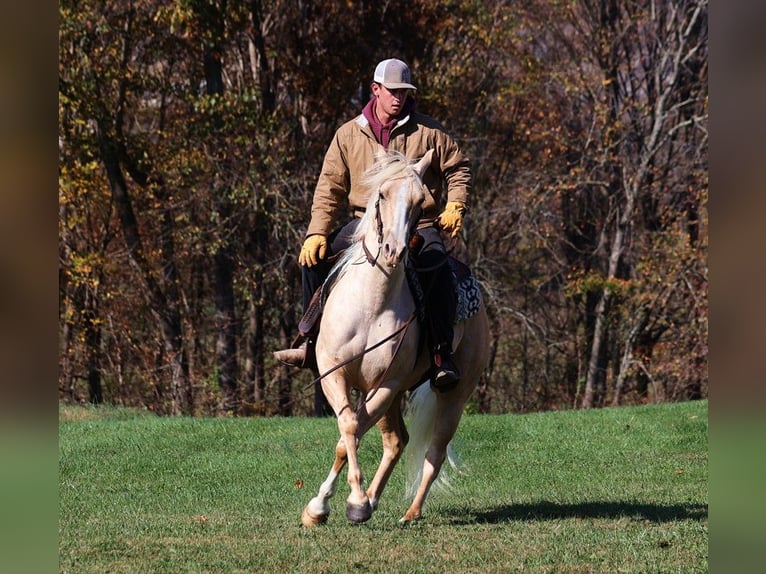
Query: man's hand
(313,250)
(451,219)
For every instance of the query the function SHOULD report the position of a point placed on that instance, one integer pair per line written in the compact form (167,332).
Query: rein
(360,354)
(372,260)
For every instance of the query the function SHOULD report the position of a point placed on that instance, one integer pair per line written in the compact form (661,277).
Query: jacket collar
(362,120)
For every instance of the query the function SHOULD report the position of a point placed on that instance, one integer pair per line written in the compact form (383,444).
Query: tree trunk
(225,302)
(93,348)
(259,61)
(226,328)
(257,244)
(595,378)
(627,355)
(167,315)
(256,384)
(66,349)
(67,312)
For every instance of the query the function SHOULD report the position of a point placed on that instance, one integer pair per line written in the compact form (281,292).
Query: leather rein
(372,260)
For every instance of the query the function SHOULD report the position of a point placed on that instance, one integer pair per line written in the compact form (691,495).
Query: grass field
(612,490)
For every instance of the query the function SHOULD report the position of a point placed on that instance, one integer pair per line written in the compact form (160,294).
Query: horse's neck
(374,285)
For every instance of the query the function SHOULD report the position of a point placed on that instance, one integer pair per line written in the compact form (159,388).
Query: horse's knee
(348,424)
(341,452)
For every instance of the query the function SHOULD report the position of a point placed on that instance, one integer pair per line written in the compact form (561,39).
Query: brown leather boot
(293,357)
(301,353)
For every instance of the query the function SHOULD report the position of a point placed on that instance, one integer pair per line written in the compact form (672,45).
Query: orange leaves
(580,282)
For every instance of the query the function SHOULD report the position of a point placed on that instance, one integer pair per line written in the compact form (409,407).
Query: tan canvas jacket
(352,151)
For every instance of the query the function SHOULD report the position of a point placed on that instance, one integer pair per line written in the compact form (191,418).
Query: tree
(644,53)
(191,133)
(97,80)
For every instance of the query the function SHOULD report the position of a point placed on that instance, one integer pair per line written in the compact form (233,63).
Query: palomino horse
(369,341)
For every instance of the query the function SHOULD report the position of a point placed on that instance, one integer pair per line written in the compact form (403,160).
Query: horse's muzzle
(393,256)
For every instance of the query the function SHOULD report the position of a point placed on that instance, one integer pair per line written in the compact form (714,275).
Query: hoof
(308,519)
(409,518)
(358,513)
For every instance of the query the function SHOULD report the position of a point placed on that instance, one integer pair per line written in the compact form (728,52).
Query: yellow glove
(451,219)
(314,249)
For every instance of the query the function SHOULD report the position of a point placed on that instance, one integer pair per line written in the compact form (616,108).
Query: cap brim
(399,86)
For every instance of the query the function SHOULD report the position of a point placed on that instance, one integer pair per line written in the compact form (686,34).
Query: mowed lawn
(610,490)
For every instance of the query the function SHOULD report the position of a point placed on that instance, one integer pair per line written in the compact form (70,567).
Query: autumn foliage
(190,137)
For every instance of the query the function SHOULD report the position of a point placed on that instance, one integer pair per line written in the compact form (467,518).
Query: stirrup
(445,380)
(445,374)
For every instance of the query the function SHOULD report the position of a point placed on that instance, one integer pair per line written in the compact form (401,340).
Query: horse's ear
(423,163)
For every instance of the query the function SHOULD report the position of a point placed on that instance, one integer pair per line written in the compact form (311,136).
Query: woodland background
(191,133)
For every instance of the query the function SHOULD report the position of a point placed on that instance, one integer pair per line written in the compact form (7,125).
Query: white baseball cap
(393,74)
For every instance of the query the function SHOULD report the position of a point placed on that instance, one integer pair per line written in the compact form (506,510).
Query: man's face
(391,102)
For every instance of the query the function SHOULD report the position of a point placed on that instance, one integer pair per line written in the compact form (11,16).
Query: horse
(368,340)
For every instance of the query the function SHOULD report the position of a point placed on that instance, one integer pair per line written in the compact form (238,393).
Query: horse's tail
(421,411)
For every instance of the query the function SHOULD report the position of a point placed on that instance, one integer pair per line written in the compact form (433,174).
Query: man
(390,121)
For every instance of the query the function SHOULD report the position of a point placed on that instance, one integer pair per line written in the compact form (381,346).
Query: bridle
(373,259)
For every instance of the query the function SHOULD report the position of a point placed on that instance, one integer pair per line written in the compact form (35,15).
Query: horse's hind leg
(431,466)
(318,509)
(394,435)
(445,425)
(471,355)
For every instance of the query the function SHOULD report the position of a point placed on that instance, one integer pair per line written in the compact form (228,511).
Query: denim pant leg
(436,281)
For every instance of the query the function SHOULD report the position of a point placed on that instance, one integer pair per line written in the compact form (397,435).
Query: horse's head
(396,196)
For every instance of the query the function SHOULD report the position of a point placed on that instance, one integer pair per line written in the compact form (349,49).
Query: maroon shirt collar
(382,131)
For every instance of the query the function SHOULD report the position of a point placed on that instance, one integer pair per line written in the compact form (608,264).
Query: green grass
(613,490)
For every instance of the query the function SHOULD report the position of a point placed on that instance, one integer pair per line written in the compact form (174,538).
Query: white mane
(388,165)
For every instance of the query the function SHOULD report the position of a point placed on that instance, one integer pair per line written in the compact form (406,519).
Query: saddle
(467,291)
(465,284)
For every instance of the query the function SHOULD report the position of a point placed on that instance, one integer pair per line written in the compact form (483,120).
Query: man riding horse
(389,120)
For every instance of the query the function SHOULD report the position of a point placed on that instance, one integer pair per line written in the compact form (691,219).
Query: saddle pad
(467,290)
(469,299)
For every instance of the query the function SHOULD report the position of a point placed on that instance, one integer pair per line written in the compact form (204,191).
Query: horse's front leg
(376,406)
(351,430)
(394,435)
(318,509)
(358,508)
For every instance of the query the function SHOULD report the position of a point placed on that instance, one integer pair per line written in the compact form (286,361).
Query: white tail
(421,412)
